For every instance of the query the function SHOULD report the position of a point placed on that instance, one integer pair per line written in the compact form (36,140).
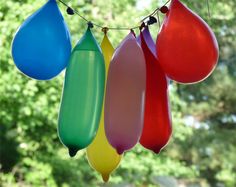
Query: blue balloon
(41,47)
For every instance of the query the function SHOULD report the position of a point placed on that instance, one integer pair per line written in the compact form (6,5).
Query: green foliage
(202,150)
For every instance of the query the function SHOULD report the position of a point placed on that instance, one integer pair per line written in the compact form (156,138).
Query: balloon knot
(105,177)
(119,151)
(72,152)
(157,151)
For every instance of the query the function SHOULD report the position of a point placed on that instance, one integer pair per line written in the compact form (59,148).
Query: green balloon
(82,98)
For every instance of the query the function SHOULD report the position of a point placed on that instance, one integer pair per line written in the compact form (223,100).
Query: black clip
(152,20)
(90,25)
(142,26)
(70,11)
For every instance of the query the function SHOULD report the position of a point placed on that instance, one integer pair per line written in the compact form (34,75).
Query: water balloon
(82,99)
(41,47)
(157,117)
(101,155)
(125,95)
(186,46)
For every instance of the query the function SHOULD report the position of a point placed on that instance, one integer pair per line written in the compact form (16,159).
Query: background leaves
(201,152)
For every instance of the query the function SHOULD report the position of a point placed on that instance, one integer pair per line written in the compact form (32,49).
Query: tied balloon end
(105,177)
(120,151)
(72,152)
(132,31)
(157,151)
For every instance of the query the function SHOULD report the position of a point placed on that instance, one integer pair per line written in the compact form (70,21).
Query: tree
(203,146)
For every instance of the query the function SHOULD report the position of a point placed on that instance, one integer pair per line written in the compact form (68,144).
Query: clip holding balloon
(70,11)
(90,25)
(152,20)
(105,30)
(143,25)
(164,9)
(132,31)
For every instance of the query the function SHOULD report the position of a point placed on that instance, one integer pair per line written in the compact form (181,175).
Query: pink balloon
(125,95)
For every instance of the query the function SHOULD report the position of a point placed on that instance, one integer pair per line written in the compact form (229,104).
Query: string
(208,8)
(159,21)
(155,11)
(112,28)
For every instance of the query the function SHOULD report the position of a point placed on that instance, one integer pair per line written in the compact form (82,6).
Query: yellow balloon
(101,155)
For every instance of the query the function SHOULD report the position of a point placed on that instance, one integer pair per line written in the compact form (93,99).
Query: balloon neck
(105,177)
(52,1)
(119,151)
(72,152)
(132,32)
(157,151)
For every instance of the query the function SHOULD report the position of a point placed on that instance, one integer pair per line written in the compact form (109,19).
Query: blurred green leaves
(201,152)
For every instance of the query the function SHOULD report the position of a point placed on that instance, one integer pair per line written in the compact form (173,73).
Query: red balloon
(157,118)
(186,46)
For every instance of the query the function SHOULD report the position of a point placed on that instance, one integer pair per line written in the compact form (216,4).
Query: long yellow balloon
(101,155)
